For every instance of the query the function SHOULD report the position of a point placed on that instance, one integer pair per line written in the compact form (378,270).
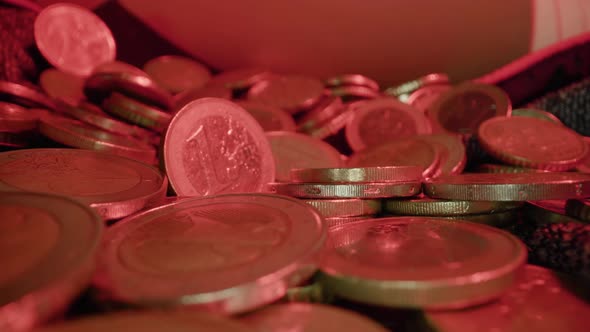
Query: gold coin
(496,219)
(347,190)
(439,207)
(509,187)
(578,208)
(418,262)
(357,174)
(541,212)
(330,208)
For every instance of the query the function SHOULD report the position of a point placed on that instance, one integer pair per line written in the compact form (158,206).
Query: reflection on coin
(418,262)
(330,208)
(227,253)
(532,142)
(151,321)
(357,174)
(406,152)
(293,150)
(73,39)
(15,119)
(306,317)
(77,134)
(62,86)
(213,146)
(176,73)
(269,117)
(291,93)
(352,79)
(47,253)
(539,301)
(113,185)
(437,207)
(347,190)
(381,120)
(509,187)
(463,108)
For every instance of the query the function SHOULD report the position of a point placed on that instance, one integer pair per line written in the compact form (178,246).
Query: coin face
(213,146)
(541,300)
(307,317)
(177,73)
(111,184)
(382,120)
(73,39)
(291,93)
(463,108)
(293,150)
(532,142)
(269,117)
(152,321)
(56,239)
(226,253)
(414,262)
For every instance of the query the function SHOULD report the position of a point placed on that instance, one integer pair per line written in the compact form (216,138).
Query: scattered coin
(291,93)
(62,86)
(330,208)
(425,206)
(402,91)
(25,96)
(423,98)
(240,78)
(137,112)
(15,119)
(269,117)
(347,190)
(352,79)
(356,174)
(176,73)
(326,109)
(535,113)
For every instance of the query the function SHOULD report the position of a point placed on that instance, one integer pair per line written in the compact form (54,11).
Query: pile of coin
(401,198)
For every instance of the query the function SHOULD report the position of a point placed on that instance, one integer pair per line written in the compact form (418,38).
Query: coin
(535,113)
(306,317)
(423,98)
(352,79)
(94,116)
(531,142)
(293,150)
(539,213)
(17,140)
(357,174)
(326,109)
(15,119)
(347,190)
(73,39)
(130,82)
(425,206)
(209,90)
(403,152)
(241,78)
(291,93)
(463,108)
(541,300)
(227,254)
(269,117)
(381,120)
(332,126)
(504,169)
(176,73)
(337,221)
(584,165)
(509,187)
(420,262)
(48,246)
(24,96)
(453,153)
(77,134)
(353,91)
(330,208)
(114,186)
(62,86)
(136,112)
(497,219)
(214,146)
(403,90)
(149,321)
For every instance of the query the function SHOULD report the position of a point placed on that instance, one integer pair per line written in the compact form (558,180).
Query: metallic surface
(438,207)
(357,174)
(349,190)
(270,118)
(291,93)
(176,73)
(330,208)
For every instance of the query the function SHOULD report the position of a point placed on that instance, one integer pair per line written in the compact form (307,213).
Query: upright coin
(151,321)
(113,185)
(509,187)
(462,109)
(177,73)
(291,93)
(213,146)
(47,252)
(227,254)
(531,142)
(413,262)
(73,39)
(306,317)
(293,150)
(381,120)
(269,117)
(541,301)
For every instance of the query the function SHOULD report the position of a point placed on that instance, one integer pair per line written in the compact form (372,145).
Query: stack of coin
(347,194)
